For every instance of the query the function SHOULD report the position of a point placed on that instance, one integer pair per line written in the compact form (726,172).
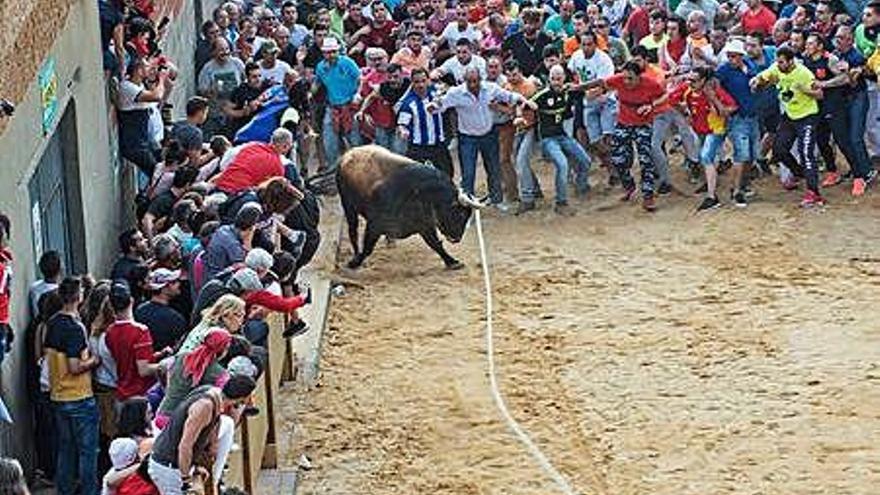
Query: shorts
(600,118)
(745,138)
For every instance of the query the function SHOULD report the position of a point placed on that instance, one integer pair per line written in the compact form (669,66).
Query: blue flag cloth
(4,413)
(260,128)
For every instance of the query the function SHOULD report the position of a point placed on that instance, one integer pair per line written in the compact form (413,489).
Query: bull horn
(467,200)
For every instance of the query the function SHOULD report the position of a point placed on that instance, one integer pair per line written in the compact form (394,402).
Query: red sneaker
(811,199)
(790,184)
(628,194)
(831,179)
(858,187)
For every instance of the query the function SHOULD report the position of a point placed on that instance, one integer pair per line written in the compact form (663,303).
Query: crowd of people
(748,86)
(140,379)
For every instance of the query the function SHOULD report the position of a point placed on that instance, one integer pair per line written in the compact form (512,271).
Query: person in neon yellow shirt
(799,94)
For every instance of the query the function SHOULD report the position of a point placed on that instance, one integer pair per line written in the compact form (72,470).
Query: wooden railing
(256,435)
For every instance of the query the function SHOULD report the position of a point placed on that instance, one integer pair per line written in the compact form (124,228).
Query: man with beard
(527,46)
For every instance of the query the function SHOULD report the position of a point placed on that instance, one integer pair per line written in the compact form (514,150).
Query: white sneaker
(502,207)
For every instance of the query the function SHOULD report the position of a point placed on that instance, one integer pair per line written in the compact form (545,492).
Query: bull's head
(453,219)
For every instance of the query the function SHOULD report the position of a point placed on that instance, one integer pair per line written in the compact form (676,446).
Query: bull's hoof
(354,264)
(455,265)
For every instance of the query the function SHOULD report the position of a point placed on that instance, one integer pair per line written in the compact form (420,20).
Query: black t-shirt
(66,335)
(554,107)
(391,94)
(313,56)
(123,267)
(528,54)
(242,96)
(166,325)
(162,204)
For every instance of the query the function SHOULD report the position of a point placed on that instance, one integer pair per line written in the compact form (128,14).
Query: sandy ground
(736,351)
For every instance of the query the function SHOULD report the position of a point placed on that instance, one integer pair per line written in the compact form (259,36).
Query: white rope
(533,449)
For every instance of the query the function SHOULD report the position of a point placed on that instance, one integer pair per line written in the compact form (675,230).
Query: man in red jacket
(251,164)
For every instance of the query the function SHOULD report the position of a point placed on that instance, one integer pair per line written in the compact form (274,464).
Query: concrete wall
(22,142)
(67,31)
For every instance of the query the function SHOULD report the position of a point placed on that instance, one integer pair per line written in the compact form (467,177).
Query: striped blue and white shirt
(425,128)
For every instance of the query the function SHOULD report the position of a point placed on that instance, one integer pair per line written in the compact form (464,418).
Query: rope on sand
(533,449)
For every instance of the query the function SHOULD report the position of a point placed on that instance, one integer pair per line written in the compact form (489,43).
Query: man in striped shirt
(421,129)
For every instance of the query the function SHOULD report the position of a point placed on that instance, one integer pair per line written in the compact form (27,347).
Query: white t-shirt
(128,93)
(456,68)
(452,34)
(598,66)
(276,74)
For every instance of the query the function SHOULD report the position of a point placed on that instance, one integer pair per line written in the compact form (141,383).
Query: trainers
(628,194)
(564,209)
(502,207)
(295,328)
(811,199)
(790,184)
(858,187)
(664,188)
(831,179)
(709,203)
(747,191)
(739,199)
(525,206)
(648,203)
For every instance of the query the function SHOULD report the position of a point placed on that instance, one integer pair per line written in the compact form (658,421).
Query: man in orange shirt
(524,140)
(413,54)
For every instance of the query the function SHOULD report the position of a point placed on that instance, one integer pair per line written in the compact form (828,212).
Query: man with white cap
(340,77)
(165,323)
(124,458)
(742,124)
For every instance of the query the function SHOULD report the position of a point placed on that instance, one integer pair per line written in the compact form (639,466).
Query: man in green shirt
(559,26)
(799,95)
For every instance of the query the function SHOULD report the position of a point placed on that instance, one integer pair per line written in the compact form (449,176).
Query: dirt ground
(736,351)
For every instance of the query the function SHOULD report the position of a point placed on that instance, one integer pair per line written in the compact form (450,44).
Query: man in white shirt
(461,29)
(462,61)
(272,70)
(600,108)
(476,101)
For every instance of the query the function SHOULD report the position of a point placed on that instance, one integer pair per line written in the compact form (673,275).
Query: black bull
(399,197)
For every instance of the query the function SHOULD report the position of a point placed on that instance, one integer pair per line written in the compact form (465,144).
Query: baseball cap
(735,46)
(245,279)
(161,277)
(330,44)
(123,452)
(269,46)
(259,259)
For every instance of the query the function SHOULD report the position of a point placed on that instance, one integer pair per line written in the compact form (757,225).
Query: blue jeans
(77,445)
(744,137)
(857,115)
(333,141)
(387,138)
(487,146)
(557,149)
(600,118)
(528,183)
